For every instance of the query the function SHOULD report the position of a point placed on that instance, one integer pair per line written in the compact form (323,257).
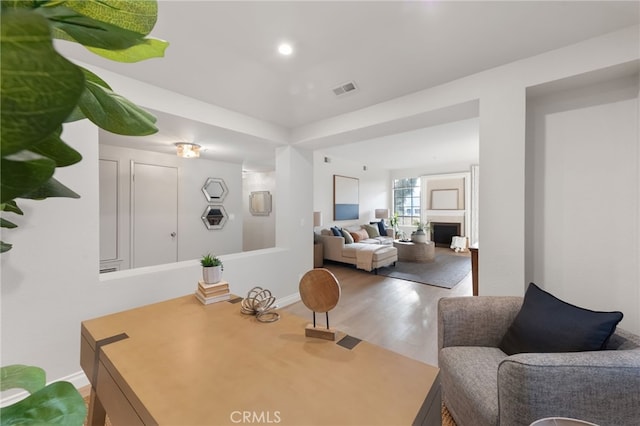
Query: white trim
(288,300)
(78,380)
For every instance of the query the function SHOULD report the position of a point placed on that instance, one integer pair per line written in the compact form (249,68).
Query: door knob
(173,234)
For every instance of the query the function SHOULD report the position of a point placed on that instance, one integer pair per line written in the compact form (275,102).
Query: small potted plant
(212,268)
(419,235)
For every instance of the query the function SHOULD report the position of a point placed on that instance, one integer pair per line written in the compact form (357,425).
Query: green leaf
(51,188)
(19,176)
(88,31)
(57,404)
(11,206)
(4,223)
(39,87)
(24,377)
(75,115)
(138,16)
(5,246)
(90,76)
(54,148)
(150,48)
(115,113)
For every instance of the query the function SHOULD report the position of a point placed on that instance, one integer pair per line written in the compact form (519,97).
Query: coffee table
(409,251)
(179,362)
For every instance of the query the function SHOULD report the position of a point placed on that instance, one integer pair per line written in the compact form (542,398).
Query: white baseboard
(79,380)
(288,300)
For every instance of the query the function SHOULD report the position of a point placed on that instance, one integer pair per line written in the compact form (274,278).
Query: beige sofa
(368,254)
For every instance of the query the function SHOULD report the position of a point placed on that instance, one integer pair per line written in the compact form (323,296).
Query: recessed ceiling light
(285,49)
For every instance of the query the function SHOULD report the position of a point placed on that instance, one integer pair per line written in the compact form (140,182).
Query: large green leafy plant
(41,90)
(57,403)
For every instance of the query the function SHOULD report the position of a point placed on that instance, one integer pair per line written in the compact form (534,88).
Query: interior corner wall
(258,231)
(374,189)
(501,199)
(584,196)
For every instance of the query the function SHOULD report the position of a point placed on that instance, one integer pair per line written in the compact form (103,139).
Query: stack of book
(211,293)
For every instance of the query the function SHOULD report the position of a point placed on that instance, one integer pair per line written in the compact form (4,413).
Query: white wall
(194,239)
(258,231)
(374,189)
(584,224)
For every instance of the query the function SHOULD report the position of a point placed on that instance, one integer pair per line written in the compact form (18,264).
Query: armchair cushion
(548,324)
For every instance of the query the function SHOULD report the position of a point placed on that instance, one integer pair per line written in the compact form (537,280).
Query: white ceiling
(224,53)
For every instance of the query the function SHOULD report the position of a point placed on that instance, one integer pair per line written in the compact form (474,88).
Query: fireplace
(443,232)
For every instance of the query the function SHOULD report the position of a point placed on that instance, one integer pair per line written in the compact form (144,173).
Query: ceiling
(225,53)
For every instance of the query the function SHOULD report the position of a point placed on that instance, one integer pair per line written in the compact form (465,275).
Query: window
(406,200)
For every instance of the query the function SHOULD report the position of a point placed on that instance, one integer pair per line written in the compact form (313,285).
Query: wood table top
(183,362)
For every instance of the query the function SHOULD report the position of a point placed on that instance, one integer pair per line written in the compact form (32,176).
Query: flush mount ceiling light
(187,150)
(285,49)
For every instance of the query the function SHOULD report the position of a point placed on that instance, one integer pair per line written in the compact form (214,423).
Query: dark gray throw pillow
(381,227)
(548,324)
(336,231)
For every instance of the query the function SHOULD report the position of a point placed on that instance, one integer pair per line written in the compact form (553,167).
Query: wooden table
(179,362)
(409,251)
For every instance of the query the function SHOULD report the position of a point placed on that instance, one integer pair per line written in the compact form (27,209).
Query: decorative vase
(212,274)
(419,236)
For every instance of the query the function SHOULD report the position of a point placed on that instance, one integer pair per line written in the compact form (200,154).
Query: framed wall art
(444,199)
(346,192)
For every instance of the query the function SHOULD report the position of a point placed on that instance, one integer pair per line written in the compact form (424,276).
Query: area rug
(446,270)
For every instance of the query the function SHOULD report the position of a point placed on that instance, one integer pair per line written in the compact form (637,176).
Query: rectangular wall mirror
(260,203)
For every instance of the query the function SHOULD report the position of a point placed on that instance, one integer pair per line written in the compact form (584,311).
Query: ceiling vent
(345,88)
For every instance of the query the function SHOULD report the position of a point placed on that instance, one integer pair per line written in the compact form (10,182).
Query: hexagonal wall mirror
(214,217)
(215,190)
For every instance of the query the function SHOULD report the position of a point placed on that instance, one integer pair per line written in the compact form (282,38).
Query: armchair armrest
(599,386)
(475,321)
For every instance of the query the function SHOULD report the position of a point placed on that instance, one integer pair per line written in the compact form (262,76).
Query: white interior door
(154,214)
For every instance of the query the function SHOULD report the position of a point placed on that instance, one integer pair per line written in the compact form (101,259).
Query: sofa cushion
(359,235)
(372,230)
(382,229)
(548,324)
(336,231)
(349,250)
(348,239)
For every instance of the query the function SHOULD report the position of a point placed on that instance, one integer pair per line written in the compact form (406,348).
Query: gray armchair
(481,385)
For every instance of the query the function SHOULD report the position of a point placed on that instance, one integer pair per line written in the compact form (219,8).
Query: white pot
(212,274)
(419,237)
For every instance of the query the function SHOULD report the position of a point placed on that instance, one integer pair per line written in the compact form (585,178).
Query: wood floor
(395,314)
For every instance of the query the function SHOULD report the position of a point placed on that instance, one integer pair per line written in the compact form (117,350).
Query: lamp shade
(382,213)
(317,218)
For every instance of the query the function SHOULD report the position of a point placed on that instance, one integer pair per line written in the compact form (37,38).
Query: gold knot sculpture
(259,302)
